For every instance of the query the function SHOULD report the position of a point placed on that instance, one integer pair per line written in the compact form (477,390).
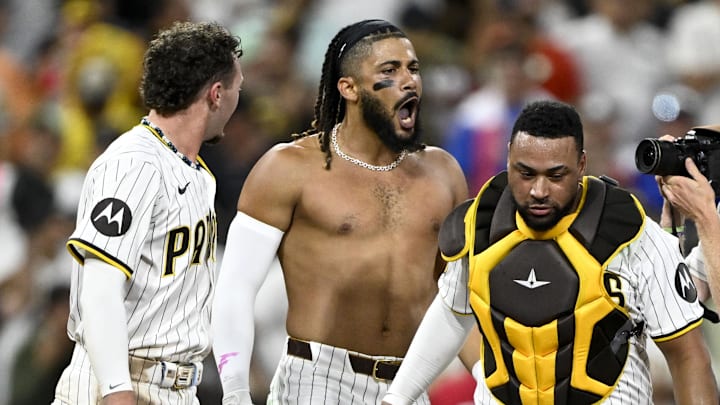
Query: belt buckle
(377,363)
(185,376)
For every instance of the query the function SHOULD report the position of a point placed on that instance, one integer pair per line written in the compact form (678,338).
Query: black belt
(378,369)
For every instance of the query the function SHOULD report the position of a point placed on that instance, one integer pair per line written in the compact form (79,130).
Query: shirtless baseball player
(352,209)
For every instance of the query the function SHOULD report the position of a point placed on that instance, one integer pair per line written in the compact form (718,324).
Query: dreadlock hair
(342,58)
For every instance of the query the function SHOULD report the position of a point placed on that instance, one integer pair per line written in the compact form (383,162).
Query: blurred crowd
(70,69)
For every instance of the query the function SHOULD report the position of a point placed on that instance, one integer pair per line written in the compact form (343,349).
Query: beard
(382,122)
(546,222)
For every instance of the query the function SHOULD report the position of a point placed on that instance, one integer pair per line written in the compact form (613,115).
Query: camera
(663,158)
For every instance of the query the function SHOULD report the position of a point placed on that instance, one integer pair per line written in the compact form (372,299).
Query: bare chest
(371,205)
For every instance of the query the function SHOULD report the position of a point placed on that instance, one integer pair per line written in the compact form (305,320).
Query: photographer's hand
(671,218)
(695,198)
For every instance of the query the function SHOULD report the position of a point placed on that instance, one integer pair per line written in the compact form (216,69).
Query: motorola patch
(684,284)
(111,217)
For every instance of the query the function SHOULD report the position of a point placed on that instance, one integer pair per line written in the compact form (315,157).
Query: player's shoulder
(136,139)
(135,146)
(653,243)
(293,155)
(441,166)
(439,160)
(436,152)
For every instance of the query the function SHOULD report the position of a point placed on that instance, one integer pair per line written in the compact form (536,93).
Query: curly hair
(550,119)
(183,59)
(344,54)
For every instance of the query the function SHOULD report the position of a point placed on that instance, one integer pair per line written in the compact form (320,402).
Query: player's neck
(361,141)
(181,130)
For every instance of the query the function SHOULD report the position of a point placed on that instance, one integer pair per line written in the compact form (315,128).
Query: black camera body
(701,144)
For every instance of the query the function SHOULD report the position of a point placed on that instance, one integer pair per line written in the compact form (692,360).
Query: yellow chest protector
(552,331)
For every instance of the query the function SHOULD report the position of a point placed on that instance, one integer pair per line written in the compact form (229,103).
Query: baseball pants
(78,385)
(312,373)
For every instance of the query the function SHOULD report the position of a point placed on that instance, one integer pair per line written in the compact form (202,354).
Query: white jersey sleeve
(453,286)
(116,213)
(655,284)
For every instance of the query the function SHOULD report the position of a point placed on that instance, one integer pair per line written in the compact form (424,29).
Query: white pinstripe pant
(328,378)
(78,386)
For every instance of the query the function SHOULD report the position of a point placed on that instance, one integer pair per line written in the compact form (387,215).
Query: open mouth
(407,113)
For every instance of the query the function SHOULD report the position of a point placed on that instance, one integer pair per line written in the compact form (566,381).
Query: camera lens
(647,155)
(660,157)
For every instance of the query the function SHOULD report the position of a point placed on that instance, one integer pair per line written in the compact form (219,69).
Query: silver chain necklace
(386,168)
(145,121)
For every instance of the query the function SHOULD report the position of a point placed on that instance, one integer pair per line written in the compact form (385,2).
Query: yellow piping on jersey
(200,161)
(680,332)
(75,245)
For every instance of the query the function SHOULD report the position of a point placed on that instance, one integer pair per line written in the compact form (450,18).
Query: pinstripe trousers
(328,378)
(78,386)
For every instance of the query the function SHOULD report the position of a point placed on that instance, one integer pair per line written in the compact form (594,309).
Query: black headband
(352,34)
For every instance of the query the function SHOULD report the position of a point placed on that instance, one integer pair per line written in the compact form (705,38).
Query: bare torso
(360,254)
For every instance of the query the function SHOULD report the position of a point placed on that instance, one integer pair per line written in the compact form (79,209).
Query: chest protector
(554,326)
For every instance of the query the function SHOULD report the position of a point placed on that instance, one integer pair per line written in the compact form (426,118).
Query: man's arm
(470,352)
(695,199)
(265,209)
(436,343)
(106,336)
(249,251)
(689,361)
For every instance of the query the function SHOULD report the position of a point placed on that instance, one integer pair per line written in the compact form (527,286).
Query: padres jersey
(148,213)
(645,280)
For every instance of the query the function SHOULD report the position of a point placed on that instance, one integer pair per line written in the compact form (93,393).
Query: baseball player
(145,238)
(352,209)
(567,278)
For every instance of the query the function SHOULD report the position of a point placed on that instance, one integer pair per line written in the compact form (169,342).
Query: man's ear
(213,95)
(582,164)
(348,88)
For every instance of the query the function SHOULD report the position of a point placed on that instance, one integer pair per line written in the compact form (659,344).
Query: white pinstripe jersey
(656,289)
(149,214)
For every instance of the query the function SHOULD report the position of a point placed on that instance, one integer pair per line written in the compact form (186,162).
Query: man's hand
(693,197)
(120,398)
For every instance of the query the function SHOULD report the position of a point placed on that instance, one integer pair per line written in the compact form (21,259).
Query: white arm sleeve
(249,251)
(437,342)
(105,324)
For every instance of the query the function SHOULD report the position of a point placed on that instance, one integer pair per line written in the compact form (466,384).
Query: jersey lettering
(613,286)
(199,241)
(211,236)
(176,246)
(178,243)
